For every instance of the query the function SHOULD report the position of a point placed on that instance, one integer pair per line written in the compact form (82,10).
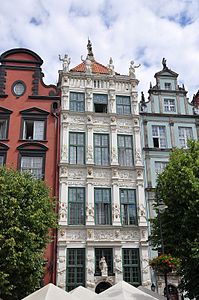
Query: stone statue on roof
(132,69)
(66,62)
(164,63)
(111,67)
(90,51)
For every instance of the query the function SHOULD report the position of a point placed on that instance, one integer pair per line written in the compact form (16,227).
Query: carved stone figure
(103,267)
(66,62)
(164,63)
(111,67)
(132,69)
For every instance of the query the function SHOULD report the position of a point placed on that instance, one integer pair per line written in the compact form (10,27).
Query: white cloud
(141,30)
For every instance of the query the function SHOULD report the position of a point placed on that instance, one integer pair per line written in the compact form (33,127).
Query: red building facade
(29,125)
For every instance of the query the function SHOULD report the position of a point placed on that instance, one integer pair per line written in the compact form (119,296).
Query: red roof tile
(97,68)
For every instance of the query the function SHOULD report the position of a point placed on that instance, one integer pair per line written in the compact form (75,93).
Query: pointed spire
(90,51)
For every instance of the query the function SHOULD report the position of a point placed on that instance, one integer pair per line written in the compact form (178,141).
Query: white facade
(92,234)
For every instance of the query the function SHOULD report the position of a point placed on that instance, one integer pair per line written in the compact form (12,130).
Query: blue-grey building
(168,121)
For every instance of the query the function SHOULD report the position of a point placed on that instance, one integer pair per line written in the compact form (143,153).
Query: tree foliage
(26,214)
(178,187)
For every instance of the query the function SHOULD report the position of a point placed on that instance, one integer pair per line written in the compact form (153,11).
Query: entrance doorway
(102,286)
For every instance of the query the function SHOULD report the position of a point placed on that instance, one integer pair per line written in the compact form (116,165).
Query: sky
(141,30)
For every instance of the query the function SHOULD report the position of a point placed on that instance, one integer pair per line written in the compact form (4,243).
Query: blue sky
(141,30)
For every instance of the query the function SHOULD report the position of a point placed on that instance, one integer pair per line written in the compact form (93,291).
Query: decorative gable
(34,111)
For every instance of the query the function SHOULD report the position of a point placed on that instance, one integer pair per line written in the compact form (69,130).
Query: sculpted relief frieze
(76,173)
(99,235)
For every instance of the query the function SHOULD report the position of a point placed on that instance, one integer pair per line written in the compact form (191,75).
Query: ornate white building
(102,202)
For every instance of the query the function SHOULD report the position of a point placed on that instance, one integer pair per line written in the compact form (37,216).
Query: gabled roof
(166,72)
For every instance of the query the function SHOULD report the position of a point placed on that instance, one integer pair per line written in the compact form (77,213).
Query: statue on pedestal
(103,267)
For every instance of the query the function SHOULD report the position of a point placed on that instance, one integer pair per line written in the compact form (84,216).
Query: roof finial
(90,51)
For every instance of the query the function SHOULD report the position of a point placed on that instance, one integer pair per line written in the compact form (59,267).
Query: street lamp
(161,208)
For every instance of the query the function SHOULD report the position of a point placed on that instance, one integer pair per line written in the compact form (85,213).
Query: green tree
(26,214)
(178,187)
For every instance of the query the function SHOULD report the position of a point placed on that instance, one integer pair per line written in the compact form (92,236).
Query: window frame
(186,137)
(76,101)
(33,114)
(3,153)
(33,150)
(168,107)
(161,168)
(167,86)
(123,105)
(77,146)
(159,136)
(35,119)
(128,204)
(101,147)
(81,266)
(104,252)
(125,149)
(5,116)
(107,216)
(102,103)
(77,209)
(132,266)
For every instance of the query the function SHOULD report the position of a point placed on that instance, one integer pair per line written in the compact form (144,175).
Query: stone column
(61,267)
(118,264)
(63,202)
(113,143)
(90,217)
(116,205)
(64,142)
(137,142)
(89,150)
(65,93)
(90,268)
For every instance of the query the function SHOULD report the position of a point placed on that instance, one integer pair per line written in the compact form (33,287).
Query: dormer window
(167,86)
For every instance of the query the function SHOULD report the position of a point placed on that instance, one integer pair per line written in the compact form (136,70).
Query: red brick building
(29,127)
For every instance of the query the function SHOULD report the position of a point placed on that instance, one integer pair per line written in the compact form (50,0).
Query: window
(1,160)
(34,121)
(123,105)
(3,152)
(131,266)
(75,268)
(76,206)
(159,166)
(33,165)
(33,130)
(18,88)
(185,133)
(101,149)
(3,129)
(167,86)
(76,148)
(77,101)
(169,105)
(4,122)
(100,103)
(128,207)
(102,206)
(108,254)
(159,136)
(125,150)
